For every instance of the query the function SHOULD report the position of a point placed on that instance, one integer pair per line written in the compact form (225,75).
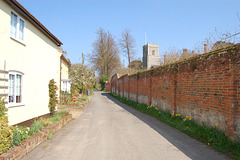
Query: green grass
(209,135)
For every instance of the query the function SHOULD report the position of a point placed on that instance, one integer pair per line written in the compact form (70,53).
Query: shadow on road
(189,146)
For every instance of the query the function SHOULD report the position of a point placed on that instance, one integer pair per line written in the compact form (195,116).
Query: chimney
(185,51)
(165,59)
(205,48)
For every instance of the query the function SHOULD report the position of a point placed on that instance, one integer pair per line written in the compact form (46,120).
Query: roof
(66,60)
(26,14)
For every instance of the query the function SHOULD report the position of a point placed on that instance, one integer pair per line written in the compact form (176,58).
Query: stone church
(150,56)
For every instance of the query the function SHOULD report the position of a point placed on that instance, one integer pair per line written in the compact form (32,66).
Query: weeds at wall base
(210,136)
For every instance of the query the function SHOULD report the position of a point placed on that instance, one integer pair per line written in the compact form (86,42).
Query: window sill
(15,105)
(20,42)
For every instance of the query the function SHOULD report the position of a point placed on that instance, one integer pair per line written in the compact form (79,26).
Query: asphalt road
(109,130)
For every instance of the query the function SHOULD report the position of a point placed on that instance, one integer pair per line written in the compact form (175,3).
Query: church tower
(150,55)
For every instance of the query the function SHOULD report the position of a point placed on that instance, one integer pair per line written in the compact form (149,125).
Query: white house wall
(39,61)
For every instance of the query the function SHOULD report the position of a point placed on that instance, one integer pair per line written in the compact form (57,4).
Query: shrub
(3,109)
(36,127)
(65,97)
(102,81)
(20,133)
(52,96)
(6,135)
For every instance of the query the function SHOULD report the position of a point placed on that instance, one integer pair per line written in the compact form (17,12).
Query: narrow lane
(109,130)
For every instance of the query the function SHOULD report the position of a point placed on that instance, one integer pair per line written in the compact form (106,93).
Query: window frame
(14,103)
(19,18)
(153,52)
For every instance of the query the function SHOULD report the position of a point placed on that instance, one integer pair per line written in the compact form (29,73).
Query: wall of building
(149,59)
(37,59)
(65,70)
(204,87)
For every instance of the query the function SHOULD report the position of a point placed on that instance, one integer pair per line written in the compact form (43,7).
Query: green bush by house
(6,134)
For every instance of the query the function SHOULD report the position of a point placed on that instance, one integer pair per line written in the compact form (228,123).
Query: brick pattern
(29,144)
(133,87)
(126,86)
(144,87)
(108,86)
(163,88)
(205,87)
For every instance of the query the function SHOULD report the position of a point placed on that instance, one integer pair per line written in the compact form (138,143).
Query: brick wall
(108,86)
(133,87)
(164,88)
(121,86)
(204,87)
(144,87)
(126,86)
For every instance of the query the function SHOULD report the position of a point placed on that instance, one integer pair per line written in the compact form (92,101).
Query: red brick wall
(113,83)
(108,86)
(126,86)
(238,94)
(144,87)
(164,88)
(121,86)
(205,90)
(205,87)
(133,87)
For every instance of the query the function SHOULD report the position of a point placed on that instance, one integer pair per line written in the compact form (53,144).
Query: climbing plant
(52,96)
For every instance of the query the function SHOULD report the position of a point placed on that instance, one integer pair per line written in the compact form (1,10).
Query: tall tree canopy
(105,54)
(128,44)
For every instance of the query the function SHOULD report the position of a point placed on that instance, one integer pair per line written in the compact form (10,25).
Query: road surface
(109,130)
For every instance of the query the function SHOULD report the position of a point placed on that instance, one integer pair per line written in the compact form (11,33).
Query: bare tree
(172,54)
(105,54)
(217,40)
(127,44)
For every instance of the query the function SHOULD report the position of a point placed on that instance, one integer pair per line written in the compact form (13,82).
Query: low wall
(17,152)
(205,87)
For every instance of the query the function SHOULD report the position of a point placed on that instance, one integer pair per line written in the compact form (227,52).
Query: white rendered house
(29,59)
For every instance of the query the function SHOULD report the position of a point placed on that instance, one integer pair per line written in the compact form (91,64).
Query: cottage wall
(37,58)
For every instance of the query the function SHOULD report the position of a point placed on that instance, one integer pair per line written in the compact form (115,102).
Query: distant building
(150,56)
(65,81)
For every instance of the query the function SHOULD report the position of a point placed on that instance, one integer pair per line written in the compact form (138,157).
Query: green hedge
(6,133)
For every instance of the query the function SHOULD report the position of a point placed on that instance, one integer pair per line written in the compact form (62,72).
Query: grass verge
(211,136)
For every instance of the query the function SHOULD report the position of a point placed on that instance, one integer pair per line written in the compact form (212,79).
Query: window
(153,52)
(15,88)
(66,86)
(17,27)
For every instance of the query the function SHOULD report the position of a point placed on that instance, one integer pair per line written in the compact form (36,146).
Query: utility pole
(82,58)
(82,66)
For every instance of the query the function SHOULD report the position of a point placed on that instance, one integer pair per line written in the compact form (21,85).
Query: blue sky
(166,22)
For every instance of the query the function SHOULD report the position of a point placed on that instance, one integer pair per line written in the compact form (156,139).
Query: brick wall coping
(233,47)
